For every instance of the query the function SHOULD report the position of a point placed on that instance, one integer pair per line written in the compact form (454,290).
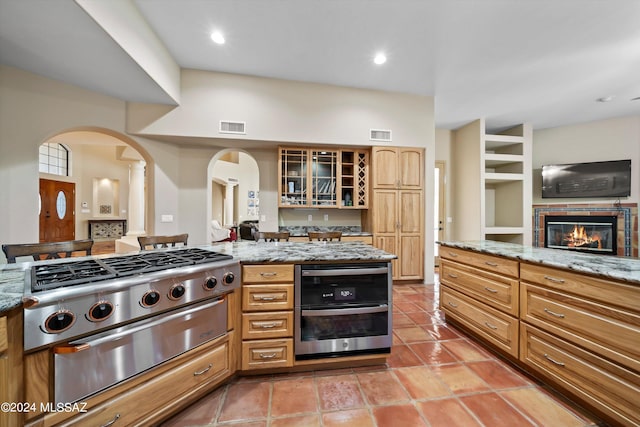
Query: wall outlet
(309,217)
(263,218)
(326,217)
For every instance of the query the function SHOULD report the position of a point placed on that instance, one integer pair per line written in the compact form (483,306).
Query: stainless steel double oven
(342,309)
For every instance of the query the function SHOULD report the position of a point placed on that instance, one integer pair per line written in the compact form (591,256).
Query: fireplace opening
(588,233)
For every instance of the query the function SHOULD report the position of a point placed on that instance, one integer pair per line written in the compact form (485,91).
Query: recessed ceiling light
(380,58)
(605,99)
(217,37)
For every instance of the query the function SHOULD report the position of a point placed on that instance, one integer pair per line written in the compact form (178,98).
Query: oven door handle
(345,272)
(128,331)
(346,311)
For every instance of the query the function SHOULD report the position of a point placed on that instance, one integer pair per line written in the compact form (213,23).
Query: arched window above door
(54,159)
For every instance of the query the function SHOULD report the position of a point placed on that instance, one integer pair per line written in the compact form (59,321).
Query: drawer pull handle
(266,298)
(554,279)
(493,291)
(267,325)
(454,305)
(268,273)
(559,315)
(491,326)
(452,255)
(550,359)
(196,373)
(453,276)
(110,423)
(492,264)
(268,356)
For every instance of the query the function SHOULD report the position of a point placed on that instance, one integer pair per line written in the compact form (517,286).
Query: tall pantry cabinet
(397,217)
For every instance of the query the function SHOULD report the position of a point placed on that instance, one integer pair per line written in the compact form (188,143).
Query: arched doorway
(99,162)
(233,192)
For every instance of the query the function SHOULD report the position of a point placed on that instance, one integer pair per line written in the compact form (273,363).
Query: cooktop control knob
(210,283)
(176,291)
(100,311)
(228,278)
(59,321)
(150,298)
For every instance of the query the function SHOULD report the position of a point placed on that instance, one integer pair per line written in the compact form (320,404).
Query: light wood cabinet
(323,178)
(11,366)
(397,214)
(481,293)
(267,316)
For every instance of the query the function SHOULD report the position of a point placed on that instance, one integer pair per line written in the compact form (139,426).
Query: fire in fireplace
(587,233)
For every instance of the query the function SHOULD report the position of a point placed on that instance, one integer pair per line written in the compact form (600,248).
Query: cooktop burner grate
(57,275)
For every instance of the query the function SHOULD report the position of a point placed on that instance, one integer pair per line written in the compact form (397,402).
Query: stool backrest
(50,250)
(272,236)
(157,242)
(325,236)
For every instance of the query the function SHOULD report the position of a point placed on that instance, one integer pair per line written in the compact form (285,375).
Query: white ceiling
(510,61)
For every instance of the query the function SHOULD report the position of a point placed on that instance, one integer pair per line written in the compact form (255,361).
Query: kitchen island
(258,339)
(570,319)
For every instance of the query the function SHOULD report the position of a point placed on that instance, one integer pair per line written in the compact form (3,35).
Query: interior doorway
(439,211)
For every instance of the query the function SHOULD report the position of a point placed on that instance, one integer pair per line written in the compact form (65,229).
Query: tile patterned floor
(435,376)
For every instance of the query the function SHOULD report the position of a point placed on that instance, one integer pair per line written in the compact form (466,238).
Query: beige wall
(614,139)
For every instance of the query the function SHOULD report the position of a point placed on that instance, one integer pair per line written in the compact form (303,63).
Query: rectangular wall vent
(380,135)
(232,127)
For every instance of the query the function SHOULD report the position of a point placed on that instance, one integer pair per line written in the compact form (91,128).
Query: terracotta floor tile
(382,388)
(460,379)
(245,401)
(203,412)
(432,353)
(401,319)
(398,415)
(294,396)
(543,409)
(441,332)
(243,424)
(406,307)
(350,418)
(402,356)
(395,339)
(420,317)
(466,352)
(429,305)
(497,374)
(339,392)
(413,334)
(422,383)
(493,411)
(297,421)
(330,372)
(418,298)
(446,413)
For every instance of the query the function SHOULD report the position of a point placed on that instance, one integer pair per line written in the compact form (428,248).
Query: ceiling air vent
(379,135)
(232,127)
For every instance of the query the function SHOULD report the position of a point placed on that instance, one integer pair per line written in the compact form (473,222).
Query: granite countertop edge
(249,252)
(625,269)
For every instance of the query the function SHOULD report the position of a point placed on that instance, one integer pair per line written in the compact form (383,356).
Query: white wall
(613,139)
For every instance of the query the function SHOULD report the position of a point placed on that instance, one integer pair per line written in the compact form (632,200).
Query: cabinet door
(410,212)
(294,177)
(385,167)
(388,244)
(385,217)
(324,172)
(411,168)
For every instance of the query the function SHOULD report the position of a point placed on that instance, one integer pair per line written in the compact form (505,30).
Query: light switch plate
(166,218)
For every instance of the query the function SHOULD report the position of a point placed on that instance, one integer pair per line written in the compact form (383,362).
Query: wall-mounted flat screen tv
(595,179)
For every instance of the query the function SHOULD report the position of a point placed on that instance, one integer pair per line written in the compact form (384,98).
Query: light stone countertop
(12,275)
(606,266)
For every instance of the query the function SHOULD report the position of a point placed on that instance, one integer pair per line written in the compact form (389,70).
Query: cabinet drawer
(267,354)
(267,297)
(606,291)
(4,340)
(497,291)
(604,329)
(133,407)
(608,387)
(496,327)
(272,273)
(276,324)
(486,262)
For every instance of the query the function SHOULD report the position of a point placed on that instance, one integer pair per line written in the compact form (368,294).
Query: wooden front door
(57,211)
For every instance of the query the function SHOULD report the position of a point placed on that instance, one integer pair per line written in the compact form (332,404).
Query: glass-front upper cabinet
(293,166)
(324,169)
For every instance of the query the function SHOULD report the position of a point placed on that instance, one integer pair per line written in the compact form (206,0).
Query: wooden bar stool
(325,236)
(272,236)
(51,250)
(157,242)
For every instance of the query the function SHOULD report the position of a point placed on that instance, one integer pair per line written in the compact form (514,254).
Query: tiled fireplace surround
(627,214)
